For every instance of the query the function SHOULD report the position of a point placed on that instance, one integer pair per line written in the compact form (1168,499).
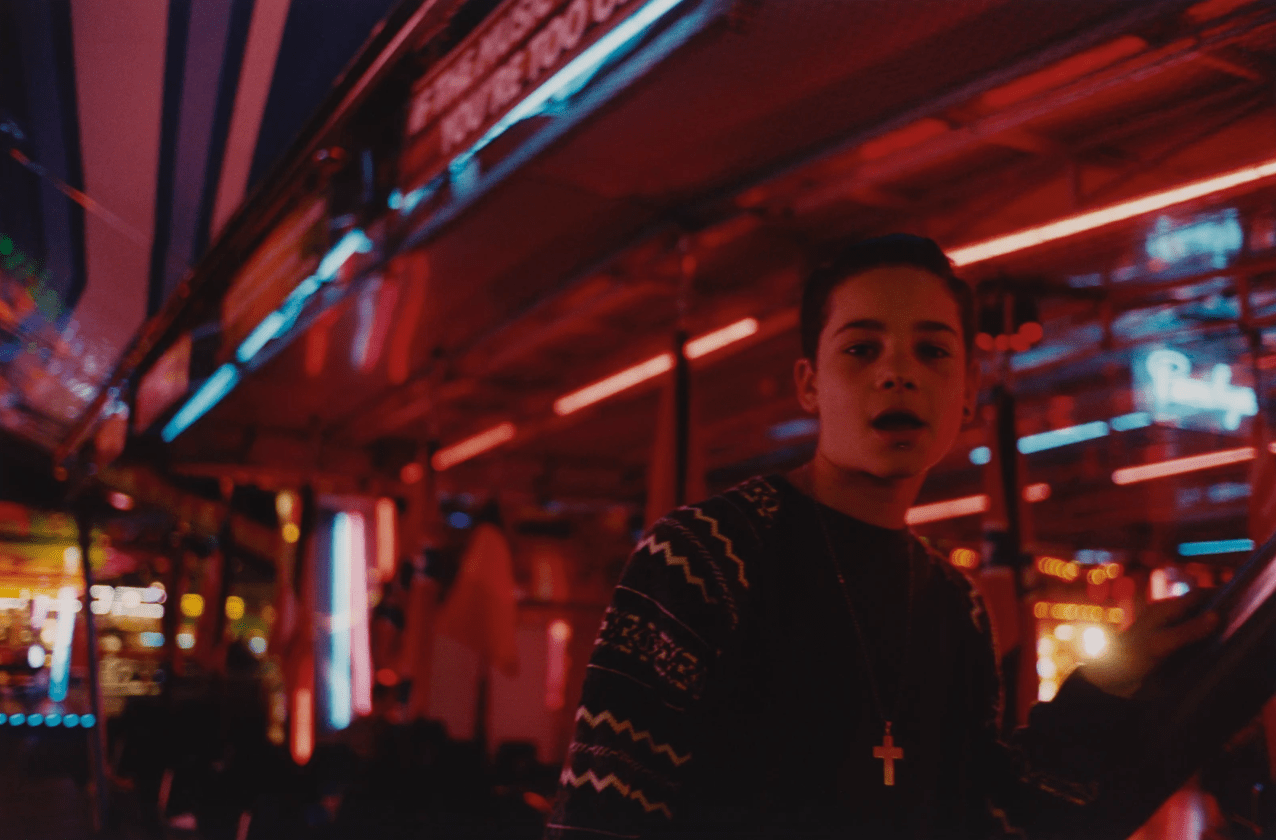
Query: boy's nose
(898,380)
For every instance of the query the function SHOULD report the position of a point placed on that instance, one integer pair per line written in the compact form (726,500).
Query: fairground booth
(337,391)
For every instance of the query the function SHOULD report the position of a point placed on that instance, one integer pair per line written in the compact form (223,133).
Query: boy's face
(891,377)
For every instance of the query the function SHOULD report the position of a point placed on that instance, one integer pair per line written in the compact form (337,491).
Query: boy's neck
(877,501)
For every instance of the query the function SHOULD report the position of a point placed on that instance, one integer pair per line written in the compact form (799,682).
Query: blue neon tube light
(340,701)
(1199,549)
(209,394)
(1062,437)
(64,631)
(571,78)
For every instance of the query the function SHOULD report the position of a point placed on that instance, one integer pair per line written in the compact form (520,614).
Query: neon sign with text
(1174,394)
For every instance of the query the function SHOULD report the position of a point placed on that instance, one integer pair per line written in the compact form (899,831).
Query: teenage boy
(788,660)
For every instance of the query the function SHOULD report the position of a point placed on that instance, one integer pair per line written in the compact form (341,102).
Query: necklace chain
(859,631)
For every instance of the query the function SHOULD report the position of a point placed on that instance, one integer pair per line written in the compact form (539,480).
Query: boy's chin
(898,466)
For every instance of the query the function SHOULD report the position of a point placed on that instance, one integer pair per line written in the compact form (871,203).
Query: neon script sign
(1175,394)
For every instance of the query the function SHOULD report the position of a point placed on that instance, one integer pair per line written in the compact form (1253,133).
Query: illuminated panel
(385,538)
(468,448)
(614,384)
(360,640)
(1081,222)
(60,670)
(339,687)
(1198,549)
(949,509)
(1130,475)
(716,340)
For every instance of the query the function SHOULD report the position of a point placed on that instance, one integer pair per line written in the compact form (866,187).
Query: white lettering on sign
(473,89)
(128,601)
(1176,393)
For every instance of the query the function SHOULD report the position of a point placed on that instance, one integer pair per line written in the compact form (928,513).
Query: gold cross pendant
(889,754)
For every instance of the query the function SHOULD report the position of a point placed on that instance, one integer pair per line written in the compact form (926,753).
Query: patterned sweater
(727,694)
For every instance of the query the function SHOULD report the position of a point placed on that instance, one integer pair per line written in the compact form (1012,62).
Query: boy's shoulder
(748,509)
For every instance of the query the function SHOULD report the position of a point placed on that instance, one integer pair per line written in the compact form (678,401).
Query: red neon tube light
(468,448)
(716,340)
(964,506)
(614,384)
(1192,463)
(1081,222)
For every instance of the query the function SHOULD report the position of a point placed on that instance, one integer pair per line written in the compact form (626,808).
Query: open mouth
(897,420)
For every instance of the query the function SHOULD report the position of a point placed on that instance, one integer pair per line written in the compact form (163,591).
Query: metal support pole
(681,419)
(97,736)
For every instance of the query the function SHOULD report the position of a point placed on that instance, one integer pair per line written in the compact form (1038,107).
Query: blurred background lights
(151,639)
(53,719)
(17,719)
(1046,690)
(71,720)
(286,505)
(192,605)
(964,558)
(1065,632)
(291,533)
(35,720)
(1094,640)
(120,501)
(257,644)
(185,641)
(87,721)
(459,519)
(234,608)
(35,656)
(411,473)
(71,560)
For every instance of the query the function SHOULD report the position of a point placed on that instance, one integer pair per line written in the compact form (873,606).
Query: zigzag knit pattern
(662,547)
(625,726)
(571,779)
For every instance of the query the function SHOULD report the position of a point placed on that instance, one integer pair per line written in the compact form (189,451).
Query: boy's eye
(862,348)
(935,351)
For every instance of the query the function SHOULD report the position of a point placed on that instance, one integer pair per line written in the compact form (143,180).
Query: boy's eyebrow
(874,324)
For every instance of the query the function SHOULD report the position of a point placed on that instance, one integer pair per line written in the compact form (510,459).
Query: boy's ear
(804,379)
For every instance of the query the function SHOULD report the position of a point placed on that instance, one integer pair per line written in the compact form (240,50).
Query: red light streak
(558,634)
(1176,466)
(303,725)
(1081,222)
(614,384)
(949,509)
(360,638)
(629,377)
(470,447)
(716,340)
(385,538)
(1036,492)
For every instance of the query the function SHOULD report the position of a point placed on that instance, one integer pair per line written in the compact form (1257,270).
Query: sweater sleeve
(1050,777)
(675,608)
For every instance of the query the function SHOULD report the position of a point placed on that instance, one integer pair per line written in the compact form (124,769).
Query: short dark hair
(894,249)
